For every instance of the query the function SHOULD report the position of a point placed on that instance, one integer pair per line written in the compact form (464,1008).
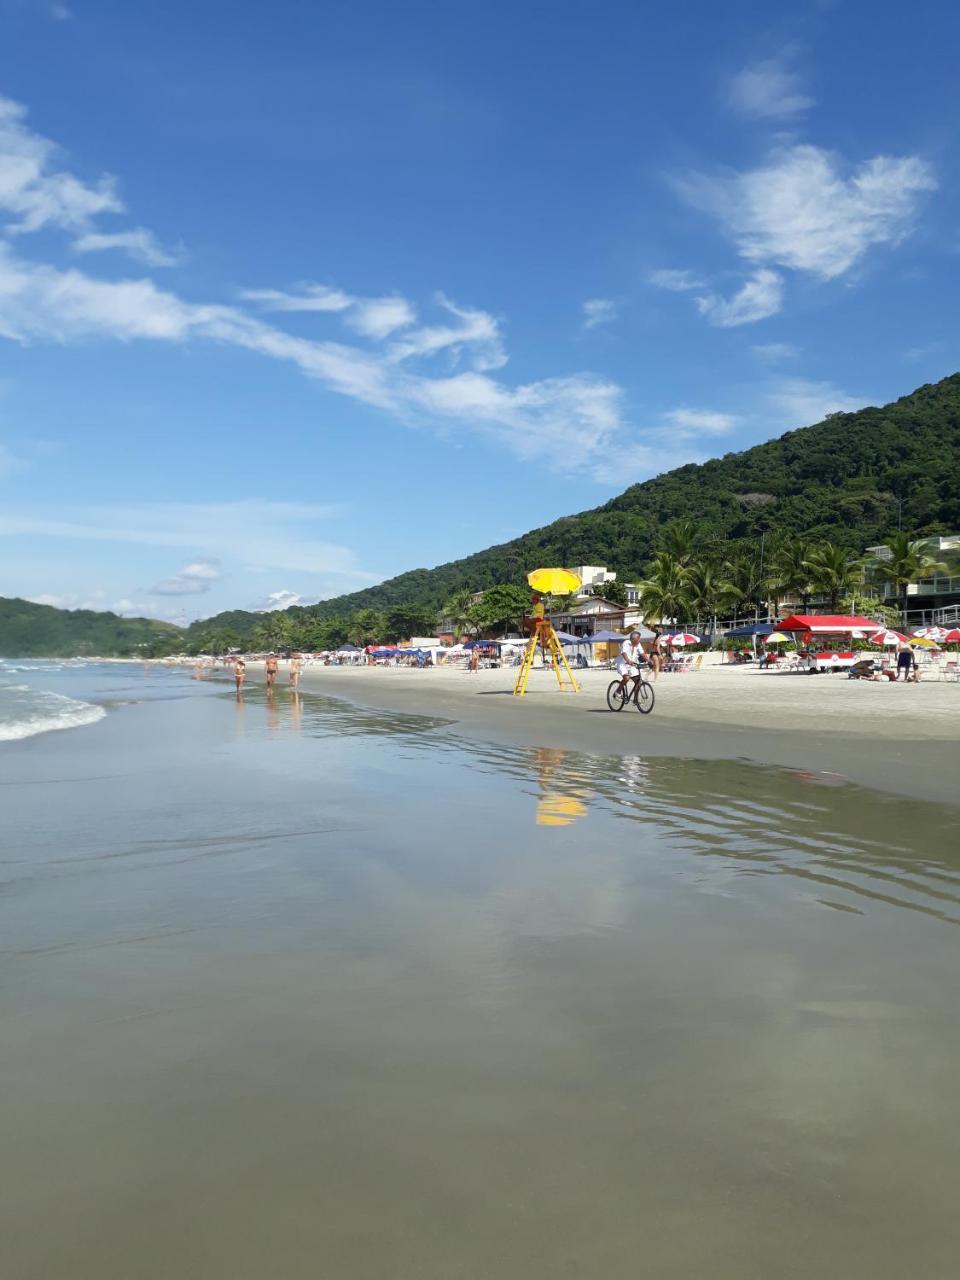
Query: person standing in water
(271,670)
(239,671)
(295,664)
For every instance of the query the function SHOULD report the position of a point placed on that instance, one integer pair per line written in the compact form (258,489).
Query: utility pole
(756,612)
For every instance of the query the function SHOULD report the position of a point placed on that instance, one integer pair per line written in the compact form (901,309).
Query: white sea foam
(25,712)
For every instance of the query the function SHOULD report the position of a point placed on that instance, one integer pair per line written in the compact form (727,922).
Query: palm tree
(457,610)
(663,593)
(833,572)
(681,539)
(274,632)
(790,569)
(742,581)
(707,589)
(908,561)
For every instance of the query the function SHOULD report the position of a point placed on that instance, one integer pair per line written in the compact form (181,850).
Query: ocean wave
(25,712)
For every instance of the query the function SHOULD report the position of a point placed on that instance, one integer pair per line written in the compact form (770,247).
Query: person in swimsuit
(239,671)
(905,660)
(295,672)
(271,669)
(656,653)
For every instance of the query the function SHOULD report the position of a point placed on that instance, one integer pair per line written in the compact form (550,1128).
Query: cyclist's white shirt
(629,661)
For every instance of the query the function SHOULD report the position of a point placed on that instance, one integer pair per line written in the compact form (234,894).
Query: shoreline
(897,739)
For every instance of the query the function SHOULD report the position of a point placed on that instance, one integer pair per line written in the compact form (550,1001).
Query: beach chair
(951,671)
(696,662)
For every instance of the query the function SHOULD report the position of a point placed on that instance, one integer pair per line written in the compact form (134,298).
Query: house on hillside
(590,614)
(929,595)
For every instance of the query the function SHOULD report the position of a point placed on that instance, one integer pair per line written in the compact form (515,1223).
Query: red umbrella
(681,638)
(952,637)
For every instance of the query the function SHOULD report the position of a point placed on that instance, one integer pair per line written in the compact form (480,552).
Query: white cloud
(475,338)
(279,600)
(9,462)
(799,402)
(597,311)
(707,421)
(760,297)
(312,297)
(775,352)
(139,243)
(379,317)
(194,579)
(767,90)
(676,281)
(800,211)
(35,193)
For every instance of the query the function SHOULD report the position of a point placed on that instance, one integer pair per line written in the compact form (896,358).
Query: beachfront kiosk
(551,582)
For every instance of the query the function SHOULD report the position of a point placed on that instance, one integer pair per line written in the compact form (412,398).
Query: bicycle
(642,696)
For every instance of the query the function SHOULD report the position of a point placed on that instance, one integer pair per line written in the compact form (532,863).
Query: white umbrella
(683,638)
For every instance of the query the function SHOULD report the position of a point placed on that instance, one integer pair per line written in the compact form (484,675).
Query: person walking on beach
(271,670)
(656,653)
(239,671)
(295,672)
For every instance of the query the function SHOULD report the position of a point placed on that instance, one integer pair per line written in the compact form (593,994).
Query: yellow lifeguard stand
(559,582)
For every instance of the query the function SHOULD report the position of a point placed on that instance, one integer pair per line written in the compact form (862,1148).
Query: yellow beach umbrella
(555,582)
(924,642)
(777,637)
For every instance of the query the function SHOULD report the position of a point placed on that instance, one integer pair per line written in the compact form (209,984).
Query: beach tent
(482,644)
(754,629)
(827,624)
(348,648)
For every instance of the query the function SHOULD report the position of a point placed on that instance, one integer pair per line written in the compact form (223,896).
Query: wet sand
(297,988)
(899,738)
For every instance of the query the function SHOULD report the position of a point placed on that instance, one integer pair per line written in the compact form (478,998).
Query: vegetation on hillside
(851,481)
(30,630)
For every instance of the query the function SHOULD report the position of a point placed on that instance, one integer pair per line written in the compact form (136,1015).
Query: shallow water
(297,989)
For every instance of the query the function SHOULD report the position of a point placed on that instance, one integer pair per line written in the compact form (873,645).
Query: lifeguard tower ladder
(544,634)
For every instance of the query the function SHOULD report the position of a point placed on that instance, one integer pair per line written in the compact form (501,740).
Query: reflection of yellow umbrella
(555,582)
(555,810)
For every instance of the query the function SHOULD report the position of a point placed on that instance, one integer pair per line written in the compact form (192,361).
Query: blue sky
(296,297)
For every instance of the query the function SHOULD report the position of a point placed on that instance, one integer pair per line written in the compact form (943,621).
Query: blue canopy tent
(754,629)
(482,644)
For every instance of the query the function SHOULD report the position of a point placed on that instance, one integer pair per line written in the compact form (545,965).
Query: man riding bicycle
(629,662)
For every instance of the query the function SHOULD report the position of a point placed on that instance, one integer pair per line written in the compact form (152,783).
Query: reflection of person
(628,664)
(295,671)
(239,671)
(271,670)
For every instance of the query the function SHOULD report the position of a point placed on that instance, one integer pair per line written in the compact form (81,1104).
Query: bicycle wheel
(616,697)
(644,698)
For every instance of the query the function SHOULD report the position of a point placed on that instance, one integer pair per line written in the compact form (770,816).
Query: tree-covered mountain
(849,480)
(30,630)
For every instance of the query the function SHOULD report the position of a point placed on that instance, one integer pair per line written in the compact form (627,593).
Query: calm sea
(293,989)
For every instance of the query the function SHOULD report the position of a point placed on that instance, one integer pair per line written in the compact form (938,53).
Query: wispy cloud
(37,194)
(768,90)
(379,317)
(799,210)
(194,579)
(677,281)
(760,297)
(310,297)
(708,421)
(138,243)
(597,311)
(438,371)
(775,352)
(800,402)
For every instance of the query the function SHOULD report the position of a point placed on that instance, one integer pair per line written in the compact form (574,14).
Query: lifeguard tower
(542,633)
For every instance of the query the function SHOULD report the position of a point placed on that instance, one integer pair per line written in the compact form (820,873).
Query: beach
(301,985)
(898,738)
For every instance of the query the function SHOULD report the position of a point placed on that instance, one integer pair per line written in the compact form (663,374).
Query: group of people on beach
(272,669)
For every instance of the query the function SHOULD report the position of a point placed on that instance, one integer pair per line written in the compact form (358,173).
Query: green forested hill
(849,479)
(30,630)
